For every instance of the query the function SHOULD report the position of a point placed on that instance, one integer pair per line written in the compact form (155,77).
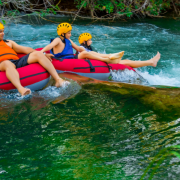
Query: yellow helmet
(84,37)
(1,26)
(63,28)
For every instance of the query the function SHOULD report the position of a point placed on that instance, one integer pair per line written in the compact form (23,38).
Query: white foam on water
(12,97)
(52,93)
(128,76)
(144,78)
(161,79)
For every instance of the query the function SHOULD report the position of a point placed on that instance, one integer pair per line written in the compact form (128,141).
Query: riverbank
(93,10)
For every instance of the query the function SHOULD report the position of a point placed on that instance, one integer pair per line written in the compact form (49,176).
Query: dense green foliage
(131,7)
(107,9)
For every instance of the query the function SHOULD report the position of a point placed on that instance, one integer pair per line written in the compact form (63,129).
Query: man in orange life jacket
(9,62)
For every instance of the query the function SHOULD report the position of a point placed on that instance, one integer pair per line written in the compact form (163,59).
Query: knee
(84,53)
(37,54)
(7,64)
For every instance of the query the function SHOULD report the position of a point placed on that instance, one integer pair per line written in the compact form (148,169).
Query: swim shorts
(21,62)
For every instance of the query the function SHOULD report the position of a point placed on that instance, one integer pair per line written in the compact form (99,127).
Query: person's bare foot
(155,59)
(24,91)
(60,82)
(116,55)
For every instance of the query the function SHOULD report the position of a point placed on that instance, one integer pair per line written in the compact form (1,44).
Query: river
(93,134)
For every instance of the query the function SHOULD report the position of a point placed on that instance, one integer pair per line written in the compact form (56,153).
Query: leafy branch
(98,9)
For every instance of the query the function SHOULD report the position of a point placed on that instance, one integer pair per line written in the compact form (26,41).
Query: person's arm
(76,47)
(82,48)
(54,43)
(21,49)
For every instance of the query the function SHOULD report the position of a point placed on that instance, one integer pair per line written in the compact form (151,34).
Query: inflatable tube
(88,68)
(33,76)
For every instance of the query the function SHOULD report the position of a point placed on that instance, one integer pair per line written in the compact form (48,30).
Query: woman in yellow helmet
(85,41)
(62,47)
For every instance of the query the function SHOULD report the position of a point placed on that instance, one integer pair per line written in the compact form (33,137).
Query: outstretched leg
(89,55)
(135,64)
(111,56)
(13,76)
(39,57)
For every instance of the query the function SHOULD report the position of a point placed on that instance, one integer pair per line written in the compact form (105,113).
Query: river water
(92,134)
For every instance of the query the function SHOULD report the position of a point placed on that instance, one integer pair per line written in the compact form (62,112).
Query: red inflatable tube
(33,76)
(89,68)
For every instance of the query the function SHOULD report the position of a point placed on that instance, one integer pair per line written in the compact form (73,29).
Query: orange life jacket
(7,53)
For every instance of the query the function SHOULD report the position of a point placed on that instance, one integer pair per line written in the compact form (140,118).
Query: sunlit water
(76,133)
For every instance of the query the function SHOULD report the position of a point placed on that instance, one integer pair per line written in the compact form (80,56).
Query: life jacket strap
(60,58)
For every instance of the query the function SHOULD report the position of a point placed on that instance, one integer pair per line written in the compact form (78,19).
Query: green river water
(93,134)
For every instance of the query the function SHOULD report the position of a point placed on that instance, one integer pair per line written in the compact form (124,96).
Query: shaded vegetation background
(93,9)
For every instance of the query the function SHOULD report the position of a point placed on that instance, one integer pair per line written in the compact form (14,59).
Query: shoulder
(9,42)
(57,40)
(71,41)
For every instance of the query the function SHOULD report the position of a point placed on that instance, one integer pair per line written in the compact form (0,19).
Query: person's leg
(101,55)
(89,55)
(107,55)
(39,57)
(136,64)
(13,76)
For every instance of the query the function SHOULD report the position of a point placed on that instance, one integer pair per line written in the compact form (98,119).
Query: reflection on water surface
(95,134)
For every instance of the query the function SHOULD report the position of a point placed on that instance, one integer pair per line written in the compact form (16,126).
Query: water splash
(160,79)
(128,76)
(66,90)
(12,97)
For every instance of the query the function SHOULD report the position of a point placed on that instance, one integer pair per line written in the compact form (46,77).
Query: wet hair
(86,46)
(5,40)
(63,39)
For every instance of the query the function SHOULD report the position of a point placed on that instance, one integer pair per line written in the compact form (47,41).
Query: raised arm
(54,43)
(21,49)
(76,47)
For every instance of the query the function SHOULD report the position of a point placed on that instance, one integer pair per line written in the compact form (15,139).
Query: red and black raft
(33,76)
(88,68)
